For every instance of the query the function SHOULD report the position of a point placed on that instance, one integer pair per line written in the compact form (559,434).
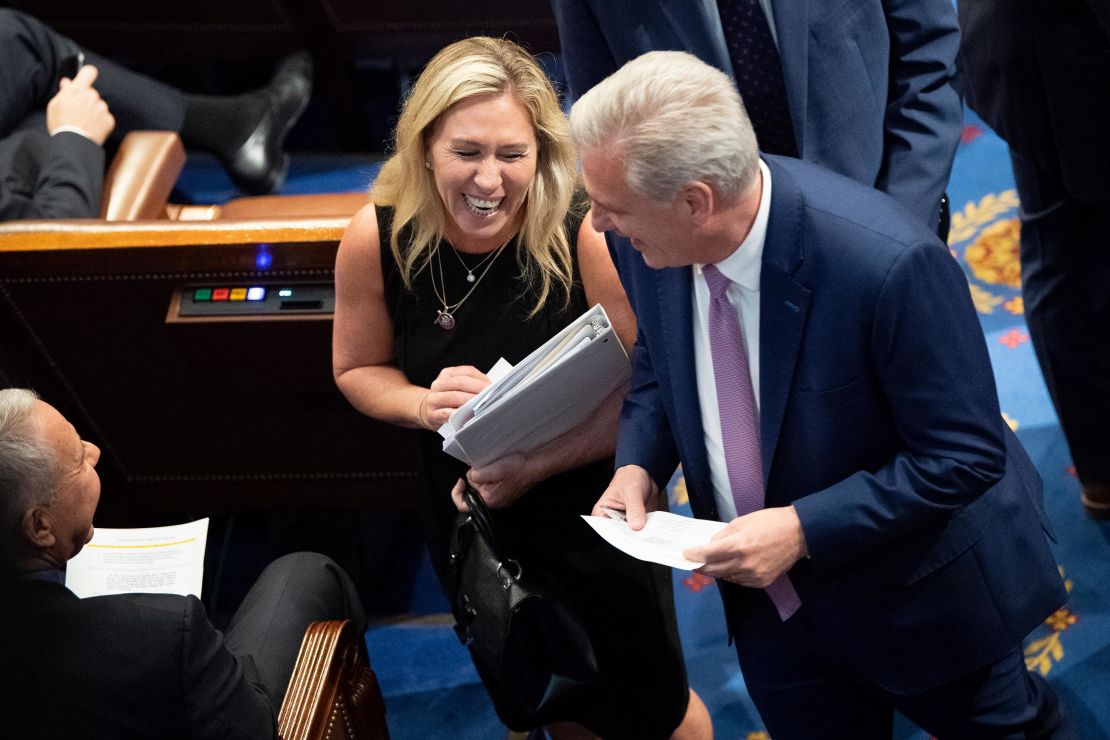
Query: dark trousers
(1065,272)
(34,58)
(802,693)
(293,591)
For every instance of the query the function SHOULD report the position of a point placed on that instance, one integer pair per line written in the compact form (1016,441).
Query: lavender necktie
(740,418)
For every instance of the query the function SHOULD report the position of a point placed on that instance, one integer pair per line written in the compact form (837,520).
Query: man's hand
(453,387)
(632,491)
(754,549)
(500,482)
(77,103)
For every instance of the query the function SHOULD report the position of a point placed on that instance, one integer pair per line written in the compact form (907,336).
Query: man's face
(660,231)
(77,488)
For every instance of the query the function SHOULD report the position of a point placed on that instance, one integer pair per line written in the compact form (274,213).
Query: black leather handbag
(525,638)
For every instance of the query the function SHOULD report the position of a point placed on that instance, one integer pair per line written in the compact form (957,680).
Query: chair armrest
(141,176)
(332,692)
(295,206)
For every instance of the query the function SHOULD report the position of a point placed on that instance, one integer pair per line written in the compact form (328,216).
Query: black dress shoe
(259,165)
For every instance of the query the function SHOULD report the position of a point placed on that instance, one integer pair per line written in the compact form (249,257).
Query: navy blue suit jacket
(1036,72)
(868,83)
(44,176)
(879,422)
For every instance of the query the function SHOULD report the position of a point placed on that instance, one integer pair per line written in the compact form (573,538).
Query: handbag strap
(483,521)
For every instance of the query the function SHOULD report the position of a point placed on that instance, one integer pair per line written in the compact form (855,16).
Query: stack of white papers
(548,393)
(662,539)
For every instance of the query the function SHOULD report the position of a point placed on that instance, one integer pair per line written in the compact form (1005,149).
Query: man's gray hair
(27,466)
(675,120)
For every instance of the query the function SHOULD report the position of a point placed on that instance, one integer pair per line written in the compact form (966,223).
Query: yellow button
(238,294)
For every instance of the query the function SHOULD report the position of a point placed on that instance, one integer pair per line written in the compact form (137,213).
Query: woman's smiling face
(483,156)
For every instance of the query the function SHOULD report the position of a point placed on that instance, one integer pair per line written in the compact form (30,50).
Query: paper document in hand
(662,539)
(164,560)
(548,393)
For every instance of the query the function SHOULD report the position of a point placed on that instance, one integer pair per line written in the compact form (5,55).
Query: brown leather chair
(148,163)
(332,693)
(141,176)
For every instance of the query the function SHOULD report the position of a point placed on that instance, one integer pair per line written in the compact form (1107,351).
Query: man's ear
(37,527)
(697,200)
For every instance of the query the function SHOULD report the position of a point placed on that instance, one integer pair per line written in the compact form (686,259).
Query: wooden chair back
(332,693)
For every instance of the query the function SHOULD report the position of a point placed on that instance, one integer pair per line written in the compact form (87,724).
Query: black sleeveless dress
(627,605)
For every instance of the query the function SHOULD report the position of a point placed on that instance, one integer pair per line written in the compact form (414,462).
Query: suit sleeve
(924,114)
(223,696)
(70,183)
(935,374)
(587,59)
(645,437)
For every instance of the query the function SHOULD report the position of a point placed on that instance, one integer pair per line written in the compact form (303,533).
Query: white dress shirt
(743,268)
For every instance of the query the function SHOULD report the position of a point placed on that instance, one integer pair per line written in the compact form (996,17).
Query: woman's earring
(428,164)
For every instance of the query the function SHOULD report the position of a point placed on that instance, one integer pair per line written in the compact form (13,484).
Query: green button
(202,294)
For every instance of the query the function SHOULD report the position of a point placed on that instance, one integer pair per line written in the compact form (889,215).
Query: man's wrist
(803,548)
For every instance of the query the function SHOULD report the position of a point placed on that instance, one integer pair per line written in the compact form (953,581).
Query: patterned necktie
(739,418)
(758,71)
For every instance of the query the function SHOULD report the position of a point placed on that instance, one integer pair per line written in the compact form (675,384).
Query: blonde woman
(475,248)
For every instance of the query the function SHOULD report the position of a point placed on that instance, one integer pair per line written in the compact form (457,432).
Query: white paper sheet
(662,539)
(168,560)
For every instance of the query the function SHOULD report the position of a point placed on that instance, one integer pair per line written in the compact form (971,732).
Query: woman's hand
(453,387)
(499,483)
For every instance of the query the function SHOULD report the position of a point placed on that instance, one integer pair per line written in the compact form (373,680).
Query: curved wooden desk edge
(22,236)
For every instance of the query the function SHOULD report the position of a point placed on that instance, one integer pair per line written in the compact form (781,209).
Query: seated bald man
(130,665)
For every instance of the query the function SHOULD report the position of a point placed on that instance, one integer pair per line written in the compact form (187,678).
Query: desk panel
(195,417)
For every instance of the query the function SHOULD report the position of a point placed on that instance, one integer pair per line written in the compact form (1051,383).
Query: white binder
(548,393)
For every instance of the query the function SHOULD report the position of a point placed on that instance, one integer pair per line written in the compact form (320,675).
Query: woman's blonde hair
(465,69)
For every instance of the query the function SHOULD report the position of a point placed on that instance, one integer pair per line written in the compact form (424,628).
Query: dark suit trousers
(34,58)
(802,693)
(1065,271)
(269,625)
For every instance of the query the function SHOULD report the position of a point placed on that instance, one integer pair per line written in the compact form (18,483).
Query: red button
(220,294)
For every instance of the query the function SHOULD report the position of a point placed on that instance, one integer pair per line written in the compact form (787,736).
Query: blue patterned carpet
(431,689)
